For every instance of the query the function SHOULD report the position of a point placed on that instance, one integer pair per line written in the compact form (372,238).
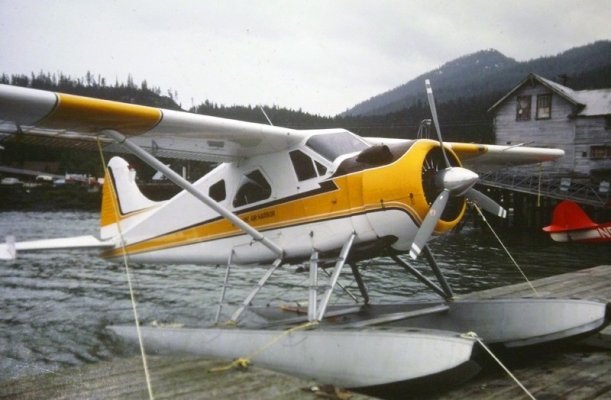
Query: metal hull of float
(511,322)
(370,358)
(518,322)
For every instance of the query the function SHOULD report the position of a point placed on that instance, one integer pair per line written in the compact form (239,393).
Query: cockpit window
(303,165)
(332,145)
(320,168)
(254,187)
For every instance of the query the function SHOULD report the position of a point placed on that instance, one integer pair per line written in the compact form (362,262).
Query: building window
(600,152)
(523,108)
(544,106)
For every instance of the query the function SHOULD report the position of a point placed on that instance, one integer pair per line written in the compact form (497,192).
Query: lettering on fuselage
(259,216)
(604,231)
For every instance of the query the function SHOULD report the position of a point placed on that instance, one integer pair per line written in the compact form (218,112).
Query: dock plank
(171,378)
(563,285)
(571,375)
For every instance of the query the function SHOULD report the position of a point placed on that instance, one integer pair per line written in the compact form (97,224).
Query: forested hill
(96,86)
(489,74)
(92,85)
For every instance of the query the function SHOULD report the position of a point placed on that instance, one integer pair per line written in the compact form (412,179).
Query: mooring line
(244,362)
(473,335)
(128,275)
(506,250)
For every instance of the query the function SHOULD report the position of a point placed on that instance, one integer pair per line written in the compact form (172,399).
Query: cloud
(320,56)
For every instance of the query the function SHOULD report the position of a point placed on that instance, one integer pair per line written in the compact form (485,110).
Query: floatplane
(317,200)
(570,223)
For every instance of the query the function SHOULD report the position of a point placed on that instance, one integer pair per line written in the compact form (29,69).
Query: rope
(129,281)
(506,251)
(473,335)
(539,186)
(244,362)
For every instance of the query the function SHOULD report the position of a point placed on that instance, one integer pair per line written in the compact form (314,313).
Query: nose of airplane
(456,180)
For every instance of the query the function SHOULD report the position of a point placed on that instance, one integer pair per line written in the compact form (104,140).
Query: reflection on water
(55,305)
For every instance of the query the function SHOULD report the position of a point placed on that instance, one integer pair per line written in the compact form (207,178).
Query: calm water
(54,306)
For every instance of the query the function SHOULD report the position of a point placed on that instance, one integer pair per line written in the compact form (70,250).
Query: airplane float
(571,224)
(312,199)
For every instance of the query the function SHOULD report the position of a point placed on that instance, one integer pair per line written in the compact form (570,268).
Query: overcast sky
(320,56)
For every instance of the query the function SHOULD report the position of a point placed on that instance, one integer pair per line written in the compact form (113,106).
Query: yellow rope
(506,251)
(244,362)
(539,186)
(128,275)
(473,335)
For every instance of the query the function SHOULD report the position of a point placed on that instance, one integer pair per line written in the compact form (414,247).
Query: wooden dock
(568,372)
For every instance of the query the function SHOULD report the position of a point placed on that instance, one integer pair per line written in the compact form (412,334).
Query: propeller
(453,181)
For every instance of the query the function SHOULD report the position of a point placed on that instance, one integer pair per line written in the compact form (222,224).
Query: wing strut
(186,185)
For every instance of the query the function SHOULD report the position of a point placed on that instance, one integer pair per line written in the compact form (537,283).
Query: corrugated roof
(567,93)
(597,102)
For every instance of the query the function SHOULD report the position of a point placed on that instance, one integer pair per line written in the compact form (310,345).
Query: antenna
(266,117)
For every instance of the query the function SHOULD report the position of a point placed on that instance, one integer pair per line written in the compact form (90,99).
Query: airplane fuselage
(300,199)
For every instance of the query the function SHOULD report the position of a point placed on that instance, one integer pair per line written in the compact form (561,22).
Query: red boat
(571,224)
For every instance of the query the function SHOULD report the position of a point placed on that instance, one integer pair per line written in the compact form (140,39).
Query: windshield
(332,145)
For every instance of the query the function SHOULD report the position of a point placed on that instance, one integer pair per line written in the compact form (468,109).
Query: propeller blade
(428,225)
(429,94)
(486,203)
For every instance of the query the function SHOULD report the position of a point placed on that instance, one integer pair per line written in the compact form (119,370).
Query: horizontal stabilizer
(569,216)
(8,250)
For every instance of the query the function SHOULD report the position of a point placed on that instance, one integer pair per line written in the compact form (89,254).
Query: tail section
(121,198)
(569,216)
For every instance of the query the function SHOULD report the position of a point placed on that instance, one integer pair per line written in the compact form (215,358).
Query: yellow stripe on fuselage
(89,115)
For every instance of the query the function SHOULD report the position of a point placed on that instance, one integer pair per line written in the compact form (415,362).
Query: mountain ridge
(488,71)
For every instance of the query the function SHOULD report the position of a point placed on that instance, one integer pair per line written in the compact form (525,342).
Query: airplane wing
(30,113)
(38,115)
(487,157)
(8,250)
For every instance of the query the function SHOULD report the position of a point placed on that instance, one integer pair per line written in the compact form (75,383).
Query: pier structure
(531,198)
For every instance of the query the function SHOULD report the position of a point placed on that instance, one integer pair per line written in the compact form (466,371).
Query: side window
(302,163)
(254,187)
(320,168)
(544,106)
(523,108)
(217,191)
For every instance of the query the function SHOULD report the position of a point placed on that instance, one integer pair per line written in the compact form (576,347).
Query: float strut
(313,290)
(343,255)
(359,281)
(260,284)
(420,277)
(225,282)
(440,278)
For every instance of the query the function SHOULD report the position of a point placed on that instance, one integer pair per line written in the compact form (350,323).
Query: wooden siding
(574,135)
(590,131)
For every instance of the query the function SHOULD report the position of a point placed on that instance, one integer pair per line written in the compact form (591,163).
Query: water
(54,306)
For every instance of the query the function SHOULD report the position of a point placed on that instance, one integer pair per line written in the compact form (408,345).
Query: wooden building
(540,112)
